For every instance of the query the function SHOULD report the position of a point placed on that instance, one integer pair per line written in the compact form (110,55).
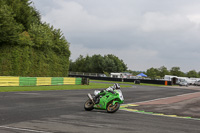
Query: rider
(103,92)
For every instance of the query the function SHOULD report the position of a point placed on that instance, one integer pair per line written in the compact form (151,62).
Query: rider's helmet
(116,86)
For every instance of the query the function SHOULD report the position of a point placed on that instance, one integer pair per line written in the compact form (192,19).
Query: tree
(10,29)
(162,71)
(41,35)
(176,72)
(152,73)
(24,13)
(198,74)
(120,65)
(79,64)
(109,65)
(192,74)
(98,64)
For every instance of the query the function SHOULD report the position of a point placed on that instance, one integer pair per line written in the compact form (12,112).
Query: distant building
(169,77)
(172,78)
(177,80)
(121,75)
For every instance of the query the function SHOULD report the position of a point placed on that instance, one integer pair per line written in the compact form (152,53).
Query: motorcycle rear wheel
(89,105)
(113,108)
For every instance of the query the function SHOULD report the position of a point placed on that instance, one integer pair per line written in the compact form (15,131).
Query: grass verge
(131,83)
(61,87)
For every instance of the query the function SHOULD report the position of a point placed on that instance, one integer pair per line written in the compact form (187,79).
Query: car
(197,83)
(183,83)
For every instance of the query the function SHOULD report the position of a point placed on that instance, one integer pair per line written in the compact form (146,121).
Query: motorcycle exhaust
(90,97)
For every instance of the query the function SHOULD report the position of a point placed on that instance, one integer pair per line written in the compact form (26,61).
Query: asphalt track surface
(63,112)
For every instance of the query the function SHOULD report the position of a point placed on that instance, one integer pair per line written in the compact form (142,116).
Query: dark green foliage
(9,28)
(162,71)
(24,13)
(176,72)
(28,61)
(152,73)
(98,64)
(27,46)
(157,73)
(193,74)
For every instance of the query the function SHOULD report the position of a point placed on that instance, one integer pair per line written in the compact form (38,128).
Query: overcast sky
(143,33)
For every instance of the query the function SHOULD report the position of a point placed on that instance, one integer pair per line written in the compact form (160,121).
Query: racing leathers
(98,93)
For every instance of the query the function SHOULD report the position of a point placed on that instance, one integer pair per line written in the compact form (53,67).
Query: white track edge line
(24,129)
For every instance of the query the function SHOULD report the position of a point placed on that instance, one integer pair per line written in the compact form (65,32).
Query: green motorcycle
(108,101)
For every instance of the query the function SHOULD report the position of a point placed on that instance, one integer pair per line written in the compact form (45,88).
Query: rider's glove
(111,92)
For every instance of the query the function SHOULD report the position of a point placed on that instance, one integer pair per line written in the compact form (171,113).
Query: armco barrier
(38,81)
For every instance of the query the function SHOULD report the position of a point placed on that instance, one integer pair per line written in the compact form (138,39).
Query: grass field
(61,87)
(131,83)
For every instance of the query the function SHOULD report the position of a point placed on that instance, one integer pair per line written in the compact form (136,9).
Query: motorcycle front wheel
(89,105)
(113,108)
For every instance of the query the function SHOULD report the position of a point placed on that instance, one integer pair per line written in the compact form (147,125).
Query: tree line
(98,64)
(158,73)
(111,63)
(29,47)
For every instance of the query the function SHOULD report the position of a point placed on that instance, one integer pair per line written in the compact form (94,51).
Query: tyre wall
(38,81)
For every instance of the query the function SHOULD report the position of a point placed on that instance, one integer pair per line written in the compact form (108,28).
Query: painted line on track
(124,108)
(164,98)
(24,129)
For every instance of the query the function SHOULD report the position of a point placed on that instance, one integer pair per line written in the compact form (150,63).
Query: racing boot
(96,99)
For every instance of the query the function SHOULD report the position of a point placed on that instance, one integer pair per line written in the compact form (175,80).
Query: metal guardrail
(87,74)
(96,77)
